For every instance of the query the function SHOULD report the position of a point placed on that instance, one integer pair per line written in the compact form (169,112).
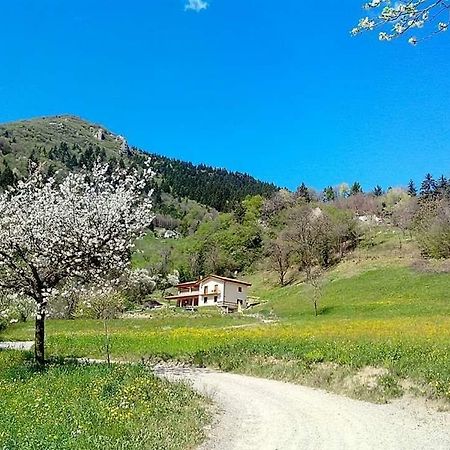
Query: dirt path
(27,345)
(259,414)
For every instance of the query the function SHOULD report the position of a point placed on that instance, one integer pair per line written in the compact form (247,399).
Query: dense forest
(218,188)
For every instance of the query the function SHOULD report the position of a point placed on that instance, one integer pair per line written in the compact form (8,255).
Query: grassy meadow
(76,406)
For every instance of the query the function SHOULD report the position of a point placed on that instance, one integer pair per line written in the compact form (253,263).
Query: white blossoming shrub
(167,281)
(139,284)
(80,231)
(173,278)
(403,18)
(15,308)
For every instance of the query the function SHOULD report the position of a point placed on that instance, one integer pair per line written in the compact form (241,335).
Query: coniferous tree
(428,187)
(303,192)
(328,194)
(443,187)
(378,191)
(412,190)
(356,188)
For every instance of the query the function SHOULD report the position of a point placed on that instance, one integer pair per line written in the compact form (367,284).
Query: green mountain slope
(68,143)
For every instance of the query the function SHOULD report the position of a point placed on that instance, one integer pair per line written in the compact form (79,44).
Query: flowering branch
(400,18)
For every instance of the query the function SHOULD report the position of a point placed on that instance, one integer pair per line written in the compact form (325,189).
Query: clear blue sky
(276,89)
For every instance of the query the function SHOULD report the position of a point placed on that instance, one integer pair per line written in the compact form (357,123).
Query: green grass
(377,293)
(73,406)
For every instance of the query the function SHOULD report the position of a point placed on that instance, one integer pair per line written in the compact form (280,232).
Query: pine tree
(356,188)
(412,190)
(303,192)
(378,191)
(329,194)
(428,188)
(443,187)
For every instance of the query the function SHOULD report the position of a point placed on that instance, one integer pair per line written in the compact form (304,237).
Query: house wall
(210,299)
(232,294)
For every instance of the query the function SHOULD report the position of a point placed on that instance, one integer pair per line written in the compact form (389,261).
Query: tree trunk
(39,339)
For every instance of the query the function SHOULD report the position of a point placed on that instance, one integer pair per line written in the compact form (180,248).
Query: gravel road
(260,414)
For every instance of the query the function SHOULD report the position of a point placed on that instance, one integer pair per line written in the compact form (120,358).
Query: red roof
(188,283)
(232,280)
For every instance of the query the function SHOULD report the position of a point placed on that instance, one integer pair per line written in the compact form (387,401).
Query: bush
(433,228)
(139,285)
(99,305)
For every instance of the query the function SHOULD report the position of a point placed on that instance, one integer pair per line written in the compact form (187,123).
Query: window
(205,290)
(240,289)
(215,299)
(216,288)
(205,300)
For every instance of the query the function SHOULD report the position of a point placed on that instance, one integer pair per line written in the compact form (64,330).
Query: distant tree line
(218,188)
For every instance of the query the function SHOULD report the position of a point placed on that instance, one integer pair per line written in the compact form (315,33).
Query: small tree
(378,191)
(428,187)
(443,187)
(356,189)
(315,282)
(79,230)
(309,233)
(328,194)
(280,252)
(412,190)
(303,192)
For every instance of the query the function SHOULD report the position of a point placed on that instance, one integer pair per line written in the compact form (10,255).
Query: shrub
(433,228)
(101,305)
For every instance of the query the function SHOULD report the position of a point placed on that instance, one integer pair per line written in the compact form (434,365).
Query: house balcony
(214,292)
(186,294)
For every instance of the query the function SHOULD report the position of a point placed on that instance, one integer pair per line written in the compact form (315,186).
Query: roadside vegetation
(80,406)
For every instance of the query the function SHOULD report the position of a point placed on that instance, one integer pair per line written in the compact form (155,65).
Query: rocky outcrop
(124,147)
(100,135)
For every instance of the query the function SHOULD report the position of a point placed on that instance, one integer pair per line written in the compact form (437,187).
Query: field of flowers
(73,406)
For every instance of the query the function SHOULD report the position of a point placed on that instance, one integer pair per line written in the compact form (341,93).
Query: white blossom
(397,18)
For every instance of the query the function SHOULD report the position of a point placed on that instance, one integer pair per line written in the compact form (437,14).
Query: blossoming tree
(77,231)
(402,18)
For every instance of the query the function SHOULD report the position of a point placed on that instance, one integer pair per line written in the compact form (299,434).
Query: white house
(213,290)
